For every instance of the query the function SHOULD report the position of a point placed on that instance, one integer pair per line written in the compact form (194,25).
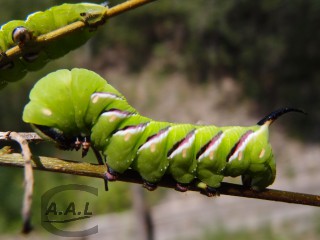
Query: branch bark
(98,171)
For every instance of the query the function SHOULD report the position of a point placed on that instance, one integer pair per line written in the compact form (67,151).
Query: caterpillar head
(12,33)
(21,35)
(58,106)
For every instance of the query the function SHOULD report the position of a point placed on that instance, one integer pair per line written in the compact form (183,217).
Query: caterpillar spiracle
(78,106)
(35,55)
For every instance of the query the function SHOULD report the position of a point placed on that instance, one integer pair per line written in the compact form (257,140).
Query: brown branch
(98,171)
(28,179)
(126,6)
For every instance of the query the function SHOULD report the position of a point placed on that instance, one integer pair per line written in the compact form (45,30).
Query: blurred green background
(221,61)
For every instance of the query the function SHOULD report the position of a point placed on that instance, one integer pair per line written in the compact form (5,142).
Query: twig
(125,6)
(28,179)
(29,136)
(98,171)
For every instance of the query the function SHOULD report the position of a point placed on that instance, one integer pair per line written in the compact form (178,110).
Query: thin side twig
(28,179)
(125,6)
(28,136)
(98,171)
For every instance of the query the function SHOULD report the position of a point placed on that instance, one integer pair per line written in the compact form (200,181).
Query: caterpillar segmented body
(36,55)
(70,106)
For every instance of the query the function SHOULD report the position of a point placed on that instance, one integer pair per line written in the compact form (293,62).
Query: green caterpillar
(36,55)
(78,107)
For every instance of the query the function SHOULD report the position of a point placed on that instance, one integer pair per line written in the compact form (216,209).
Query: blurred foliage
(270,46)
(267,232)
